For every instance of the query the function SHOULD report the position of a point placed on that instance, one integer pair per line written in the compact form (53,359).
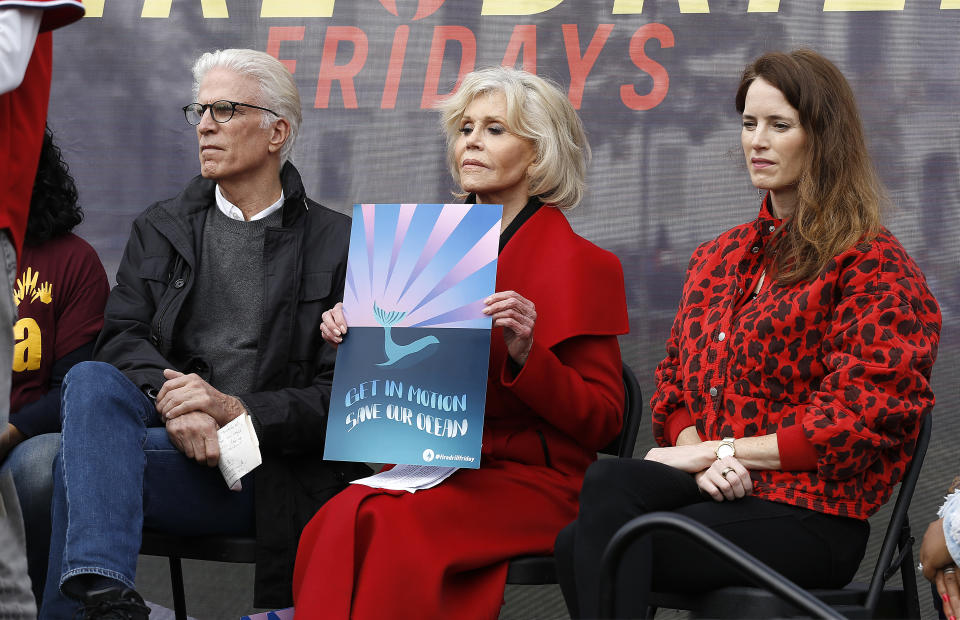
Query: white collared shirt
(234,213)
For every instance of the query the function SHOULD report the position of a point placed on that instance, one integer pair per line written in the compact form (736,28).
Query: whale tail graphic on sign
(396,352)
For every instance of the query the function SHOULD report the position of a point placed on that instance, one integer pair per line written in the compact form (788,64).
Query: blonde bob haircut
(278,91)
(538,111)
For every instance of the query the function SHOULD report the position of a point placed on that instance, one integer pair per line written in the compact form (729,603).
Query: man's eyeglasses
(221,111)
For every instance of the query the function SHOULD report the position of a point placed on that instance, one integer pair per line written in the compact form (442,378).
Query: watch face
(724,450)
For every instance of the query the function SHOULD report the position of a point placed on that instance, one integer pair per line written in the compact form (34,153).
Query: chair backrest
(541,569)
(623,444)
(898,529)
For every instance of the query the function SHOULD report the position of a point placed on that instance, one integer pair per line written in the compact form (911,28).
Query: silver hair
(278,90)
(539,111)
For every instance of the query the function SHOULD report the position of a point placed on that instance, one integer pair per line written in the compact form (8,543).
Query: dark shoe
(114,603)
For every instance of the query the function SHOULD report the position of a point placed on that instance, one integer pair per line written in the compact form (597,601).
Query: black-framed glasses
(221,111)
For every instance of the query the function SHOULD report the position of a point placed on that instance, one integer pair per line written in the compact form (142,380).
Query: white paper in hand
(239,450)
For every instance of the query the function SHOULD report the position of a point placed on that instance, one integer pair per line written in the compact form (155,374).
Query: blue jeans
(31,464)
(115,474)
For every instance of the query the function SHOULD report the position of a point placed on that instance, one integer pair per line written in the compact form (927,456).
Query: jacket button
(754,249)
(772,228)
(721,337)
(713,392)
(178,283)
(739,291)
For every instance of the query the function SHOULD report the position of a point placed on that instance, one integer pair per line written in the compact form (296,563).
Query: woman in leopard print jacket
(797,369)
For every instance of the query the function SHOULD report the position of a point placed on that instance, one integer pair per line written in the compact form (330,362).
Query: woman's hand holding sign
(516,315)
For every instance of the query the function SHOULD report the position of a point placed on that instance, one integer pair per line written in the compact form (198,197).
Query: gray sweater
(224,310)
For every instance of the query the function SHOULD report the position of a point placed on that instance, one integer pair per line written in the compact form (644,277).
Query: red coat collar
(588,300)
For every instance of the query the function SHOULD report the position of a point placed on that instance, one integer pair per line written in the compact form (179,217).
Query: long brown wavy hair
(839,195)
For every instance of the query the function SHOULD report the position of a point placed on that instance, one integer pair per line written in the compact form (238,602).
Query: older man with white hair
(215,315)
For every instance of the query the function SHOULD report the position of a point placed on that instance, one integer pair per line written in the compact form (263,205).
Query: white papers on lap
(410,478)
(239,450)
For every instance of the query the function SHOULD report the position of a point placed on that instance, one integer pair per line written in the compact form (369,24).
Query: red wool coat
(838,367)
(23,114)
(442,552)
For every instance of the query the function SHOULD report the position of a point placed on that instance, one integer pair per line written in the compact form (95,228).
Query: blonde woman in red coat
(797,371)
(554,396)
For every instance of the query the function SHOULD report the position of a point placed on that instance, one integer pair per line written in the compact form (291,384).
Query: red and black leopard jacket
(838,367)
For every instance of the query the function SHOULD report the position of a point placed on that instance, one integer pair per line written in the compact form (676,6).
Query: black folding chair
(235,549)
(777,596)
(535,570)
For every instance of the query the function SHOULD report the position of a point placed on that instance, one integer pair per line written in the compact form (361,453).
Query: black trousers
(813,549)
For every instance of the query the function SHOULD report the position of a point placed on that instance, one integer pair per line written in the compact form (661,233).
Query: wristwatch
(726,448)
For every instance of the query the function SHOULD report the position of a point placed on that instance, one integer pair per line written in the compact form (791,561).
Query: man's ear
(278,135)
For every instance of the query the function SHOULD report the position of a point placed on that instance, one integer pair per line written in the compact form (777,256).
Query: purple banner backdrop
(654,82)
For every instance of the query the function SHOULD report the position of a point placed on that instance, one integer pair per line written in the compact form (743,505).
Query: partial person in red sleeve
(554,392)
(26,51)
(797,369)
(60,296)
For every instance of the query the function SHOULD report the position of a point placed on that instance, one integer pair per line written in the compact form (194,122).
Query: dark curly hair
(54,210)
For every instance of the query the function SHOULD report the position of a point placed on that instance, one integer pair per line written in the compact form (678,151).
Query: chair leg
(176,583)
(911,595)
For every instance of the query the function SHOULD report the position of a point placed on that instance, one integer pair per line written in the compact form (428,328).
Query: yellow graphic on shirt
(27,284)
(27,345)
(45,293)
(26,333)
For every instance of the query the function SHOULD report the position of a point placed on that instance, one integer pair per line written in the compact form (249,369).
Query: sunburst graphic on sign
(430,264)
